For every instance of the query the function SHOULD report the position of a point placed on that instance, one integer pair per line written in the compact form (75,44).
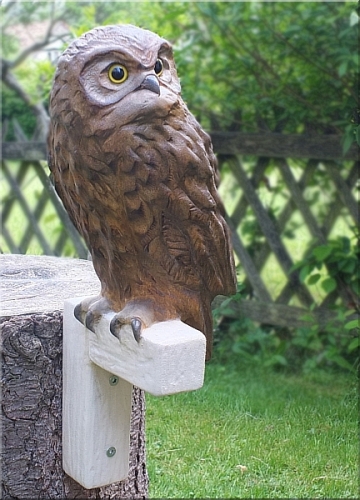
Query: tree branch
(11,82)
(48,38)
(34,48)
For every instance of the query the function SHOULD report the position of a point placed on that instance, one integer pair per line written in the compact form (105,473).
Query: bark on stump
(33,291)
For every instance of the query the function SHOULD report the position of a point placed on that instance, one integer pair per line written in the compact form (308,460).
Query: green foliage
(334,265)
(38,76)
(13,107)
(251,66)
(332,346)
(302,350)
(327,269)
(273,65)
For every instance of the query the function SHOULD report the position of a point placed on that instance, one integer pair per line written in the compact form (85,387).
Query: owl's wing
(60,173)
(168,185)
(200,210)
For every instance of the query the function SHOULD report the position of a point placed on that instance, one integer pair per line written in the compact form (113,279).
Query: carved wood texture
(138,176)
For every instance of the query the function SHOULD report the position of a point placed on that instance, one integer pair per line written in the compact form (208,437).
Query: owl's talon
(136,326)
(118,322)
(115,327)
(89,311)
(79,313)
(89,321)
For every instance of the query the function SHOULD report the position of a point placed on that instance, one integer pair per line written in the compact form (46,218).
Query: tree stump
(33,292)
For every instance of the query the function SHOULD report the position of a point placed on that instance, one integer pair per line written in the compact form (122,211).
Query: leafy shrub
(13,107)
(333,346)
(306,349)
(335,266)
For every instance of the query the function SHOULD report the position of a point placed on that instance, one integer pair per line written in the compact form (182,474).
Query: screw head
(113,380)
(110,452)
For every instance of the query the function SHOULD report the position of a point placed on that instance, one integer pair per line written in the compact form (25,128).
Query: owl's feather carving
(137,175)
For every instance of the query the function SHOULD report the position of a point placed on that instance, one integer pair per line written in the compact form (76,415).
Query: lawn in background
(254,433)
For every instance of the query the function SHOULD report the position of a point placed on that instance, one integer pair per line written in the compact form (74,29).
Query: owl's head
(119,64)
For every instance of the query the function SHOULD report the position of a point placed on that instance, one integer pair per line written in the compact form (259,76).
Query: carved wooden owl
(138,177)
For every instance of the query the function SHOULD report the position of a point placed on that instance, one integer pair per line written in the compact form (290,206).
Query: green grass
(251,433)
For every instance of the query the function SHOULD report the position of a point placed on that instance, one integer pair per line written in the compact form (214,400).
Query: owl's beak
(150,83)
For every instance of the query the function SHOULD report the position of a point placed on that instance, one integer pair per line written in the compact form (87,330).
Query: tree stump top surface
(39,283)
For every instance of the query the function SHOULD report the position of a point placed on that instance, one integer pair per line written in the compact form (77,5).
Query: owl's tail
(208,331)
(200,317)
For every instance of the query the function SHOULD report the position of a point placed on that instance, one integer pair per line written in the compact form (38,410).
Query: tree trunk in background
(31,326)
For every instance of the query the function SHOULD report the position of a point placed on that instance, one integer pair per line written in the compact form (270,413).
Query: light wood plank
(96,413)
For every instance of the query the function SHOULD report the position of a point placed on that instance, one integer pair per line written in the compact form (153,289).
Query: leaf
(343,68)
(321,252)
(340,361)
(304,273)
(356,287)
(354,344)
(226,311)
(329,285)
(276,359)
(352,324)
(296,266)
(314,278)
(346,245)
(225,303)
(347,142)
(347,265)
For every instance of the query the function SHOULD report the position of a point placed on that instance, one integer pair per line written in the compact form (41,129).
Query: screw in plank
(110,452)
(113,380)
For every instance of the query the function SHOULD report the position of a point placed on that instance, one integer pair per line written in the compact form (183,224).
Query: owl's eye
(158,68)
(117,73)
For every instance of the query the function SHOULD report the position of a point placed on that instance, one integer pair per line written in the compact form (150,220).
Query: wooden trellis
(275,310)
(286,307)
(15,178)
